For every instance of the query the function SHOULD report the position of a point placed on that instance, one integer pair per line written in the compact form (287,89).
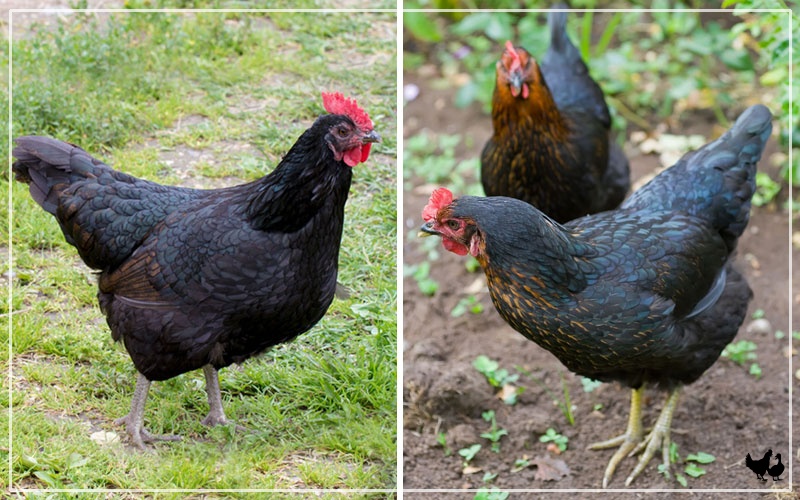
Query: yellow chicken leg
(632,443)
(658,438)
(627,442)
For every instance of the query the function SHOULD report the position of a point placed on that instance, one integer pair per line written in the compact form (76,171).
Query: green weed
(469,453)
(467,304)
(552,436)
(491,494)
(495,433)
(421,274)
(500,378)
(692,467)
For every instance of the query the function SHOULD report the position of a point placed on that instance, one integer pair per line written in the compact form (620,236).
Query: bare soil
(727,413)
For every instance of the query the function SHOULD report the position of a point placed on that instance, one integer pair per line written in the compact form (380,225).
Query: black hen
(550,146)
(760,466)
(642,294)
(205,278)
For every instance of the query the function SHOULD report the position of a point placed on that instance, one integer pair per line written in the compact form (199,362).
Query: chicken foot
(134,420)
(658,438)
(631,443)
(627,442)
(216,414)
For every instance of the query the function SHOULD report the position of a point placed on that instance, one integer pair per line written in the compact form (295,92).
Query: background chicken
(551,144)
(205,278)
(643,294)
(759,466)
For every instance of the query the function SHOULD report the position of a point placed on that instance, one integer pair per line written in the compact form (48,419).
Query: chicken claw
(134,420)
(658,437)
(631,443)
(627,442)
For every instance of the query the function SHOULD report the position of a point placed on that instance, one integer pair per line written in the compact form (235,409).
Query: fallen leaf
(478,285)
(507,392)
(471,469)
(104,437)
(550,469)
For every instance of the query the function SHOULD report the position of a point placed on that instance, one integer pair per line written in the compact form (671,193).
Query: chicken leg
(216,414)
(632,443)
(134,420)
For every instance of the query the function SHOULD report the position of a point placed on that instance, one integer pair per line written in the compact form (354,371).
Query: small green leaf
(75,460)
(681,479)
(47,478)
(738,60)
(694,470)
(673,452)
(470,452)
(485,365)
(520,464)
(777,76)
(590,385)
(488,476)
(473,265)
(701,457)
(28,461)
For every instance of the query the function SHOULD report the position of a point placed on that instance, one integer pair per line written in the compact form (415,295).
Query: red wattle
(456,248)
(352,157)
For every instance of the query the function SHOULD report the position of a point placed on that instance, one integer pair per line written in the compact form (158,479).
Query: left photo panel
(202,270)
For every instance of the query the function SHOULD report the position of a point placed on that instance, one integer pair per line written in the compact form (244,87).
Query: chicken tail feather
(717,181)
(557,22)
(48,166)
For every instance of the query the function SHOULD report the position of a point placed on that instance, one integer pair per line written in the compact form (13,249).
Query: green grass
(137,91)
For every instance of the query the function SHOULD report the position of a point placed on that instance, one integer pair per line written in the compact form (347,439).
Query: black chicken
(760,466)
(550,146)
(776,470)
(645,294)
(205,278)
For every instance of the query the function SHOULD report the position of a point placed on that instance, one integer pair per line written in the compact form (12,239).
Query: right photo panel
(596,244)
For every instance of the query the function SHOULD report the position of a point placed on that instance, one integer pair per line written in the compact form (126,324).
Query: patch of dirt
(184,160)
(727,413)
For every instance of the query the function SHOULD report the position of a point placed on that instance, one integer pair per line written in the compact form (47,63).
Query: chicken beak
(427,230)
(372,136)
(516,81)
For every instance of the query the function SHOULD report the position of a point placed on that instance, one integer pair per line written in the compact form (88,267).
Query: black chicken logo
(761,466)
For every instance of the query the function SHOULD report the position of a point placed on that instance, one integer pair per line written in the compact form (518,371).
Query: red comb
(441,197)
(516,64)
(337,104)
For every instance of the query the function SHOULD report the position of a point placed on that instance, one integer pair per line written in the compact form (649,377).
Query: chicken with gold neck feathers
(550,145)
(642,295)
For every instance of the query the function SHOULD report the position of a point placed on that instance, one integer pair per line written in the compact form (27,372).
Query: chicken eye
(342,132)
(453,224)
